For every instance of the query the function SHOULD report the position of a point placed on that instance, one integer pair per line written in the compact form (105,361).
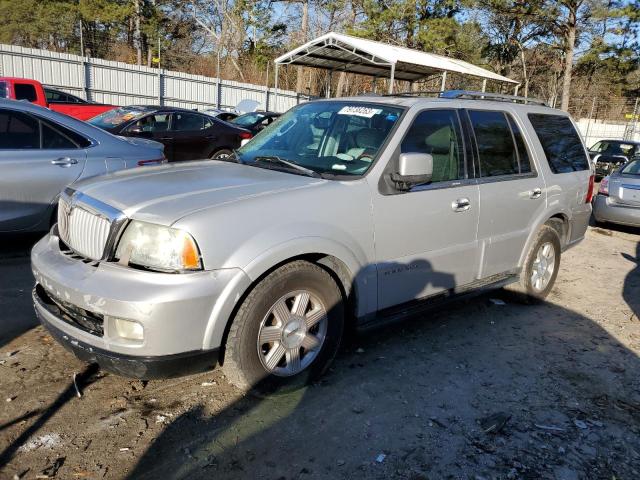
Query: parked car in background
(34,92)
(353,211)
(618,199)
(255,121)
(186,134)
(42,152)
(223,115)
(609,155)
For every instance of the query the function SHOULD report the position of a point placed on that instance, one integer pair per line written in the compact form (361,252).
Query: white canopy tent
(343,53)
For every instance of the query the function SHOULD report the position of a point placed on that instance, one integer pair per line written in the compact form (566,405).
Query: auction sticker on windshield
(367,112)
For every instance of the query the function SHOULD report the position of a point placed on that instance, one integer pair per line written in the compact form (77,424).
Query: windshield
(339,138)
(632,168)
(247,119)
(613,148)
(117,116)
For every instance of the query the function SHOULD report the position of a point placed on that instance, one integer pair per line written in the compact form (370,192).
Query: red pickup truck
(59,101)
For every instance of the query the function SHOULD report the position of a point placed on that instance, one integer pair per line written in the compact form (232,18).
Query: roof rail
(471,95)
(500,97)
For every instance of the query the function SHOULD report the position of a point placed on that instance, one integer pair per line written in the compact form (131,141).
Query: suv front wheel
(288,329)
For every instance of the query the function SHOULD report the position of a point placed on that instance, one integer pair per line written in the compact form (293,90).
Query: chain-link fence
(607,118)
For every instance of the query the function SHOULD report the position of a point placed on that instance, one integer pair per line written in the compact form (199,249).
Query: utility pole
(81,40)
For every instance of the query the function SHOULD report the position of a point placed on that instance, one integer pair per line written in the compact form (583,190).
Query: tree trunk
(136,35)
(570,41)
(305,32)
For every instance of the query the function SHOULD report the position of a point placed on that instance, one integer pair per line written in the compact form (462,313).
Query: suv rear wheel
(540,267)
(288,329)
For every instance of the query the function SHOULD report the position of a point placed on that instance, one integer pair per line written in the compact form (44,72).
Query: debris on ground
(75,384)
(494,423)
(50,440)
(580,424)
(497,301)
(549,428)
(52,470)
(380,458)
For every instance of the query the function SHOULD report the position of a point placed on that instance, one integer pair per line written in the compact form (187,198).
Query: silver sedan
(42,152)
(618,200)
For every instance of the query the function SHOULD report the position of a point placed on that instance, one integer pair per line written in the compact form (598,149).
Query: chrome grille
(86,225)
(87,233)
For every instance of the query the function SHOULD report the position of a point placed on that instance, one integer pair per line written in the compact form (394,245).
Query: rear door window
(189,122)
(495,143)
(51,139)
(560,142)
(3,89)
(18,131)
(25,91)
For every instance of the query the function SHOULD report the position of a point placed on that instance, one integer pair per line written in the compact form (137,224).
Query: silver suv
(341,213)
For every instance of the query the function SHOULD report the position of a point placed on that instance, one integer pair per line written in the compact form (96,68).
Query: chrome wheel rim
(292,333)
(221,155)
(543,267)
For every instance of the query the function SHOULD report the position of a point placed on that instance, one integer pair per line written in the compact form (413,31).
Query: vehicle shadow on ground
(477,388)
(16,282)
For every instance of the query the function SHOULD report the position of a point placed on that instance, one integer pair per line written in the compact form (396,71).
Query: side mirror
(413,169)
(139,131)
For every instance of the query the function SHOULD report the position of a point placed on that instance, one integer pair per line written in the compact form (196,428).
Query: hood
(166,193)
(143,142)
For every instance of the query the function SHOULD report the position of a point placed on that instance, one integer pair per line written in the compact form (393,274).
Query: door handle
(535,193)
(461,205)
(64,162)
(165,138)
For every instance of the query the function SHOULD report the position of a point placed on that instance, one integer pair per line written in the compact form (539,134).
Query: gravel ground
(477,391)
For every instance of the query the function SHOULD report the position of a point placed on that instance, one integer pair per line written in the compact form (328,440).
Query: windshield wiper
(282,161)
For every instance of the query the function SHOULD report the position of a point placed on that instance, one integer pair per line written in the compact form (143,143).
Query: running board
(425,304)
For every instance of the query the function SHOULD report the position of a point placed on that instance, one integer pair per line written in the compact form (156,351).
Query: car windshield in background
(247,119)
(338,138)
(632,168)
(3,89)
(614,148)
(117,116)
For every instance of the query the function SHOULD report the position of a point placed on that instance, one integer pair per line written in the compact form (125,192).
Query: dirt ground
(478,391)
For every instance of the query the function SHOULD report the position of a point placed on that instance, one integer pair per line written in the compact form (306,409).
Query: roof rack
(472,95)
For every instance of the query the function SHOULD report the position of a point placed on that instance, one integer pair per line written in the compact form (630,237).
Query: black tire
(242,364)
(524,289)
(221,154)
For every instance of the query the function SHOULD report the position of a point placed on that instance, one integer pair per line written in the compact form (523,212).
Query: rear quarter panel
(565,192)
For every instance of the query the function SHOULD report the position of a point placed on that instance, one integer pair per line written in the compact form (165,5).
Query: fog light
(128,329)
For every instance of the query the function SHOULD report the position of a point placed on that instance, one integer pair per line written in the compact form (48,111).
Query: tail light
(589,196)
(155,161)
(246,135)
(604,187)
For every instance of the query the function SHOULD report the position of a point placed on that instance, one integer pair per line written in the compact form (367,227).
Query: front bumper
(606,210)
(142,367)
(182,315)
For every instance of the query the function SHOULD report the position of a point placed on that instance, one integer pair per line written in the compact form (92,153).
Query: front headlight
(158,248)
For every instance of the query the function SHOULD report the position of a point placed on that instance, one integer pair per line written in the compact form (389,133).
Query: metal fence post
(218,93)
(86,77)
(160,88)
(266,99)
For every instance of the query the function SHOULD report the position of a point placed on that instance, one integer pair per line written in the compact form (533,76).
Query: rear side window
(18,131)
(186,122)
(437,132)
(3,89)
(25,91)
(560,141)
(495,143)
(53,139)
